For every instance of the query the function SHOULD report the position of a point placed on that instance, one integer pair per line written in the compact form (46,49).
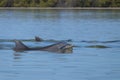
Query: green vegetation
(98,46)
(59,3)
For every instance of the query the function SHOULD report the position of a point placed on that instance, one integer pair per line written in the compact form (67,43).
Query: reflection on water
(95,35)
(17,56)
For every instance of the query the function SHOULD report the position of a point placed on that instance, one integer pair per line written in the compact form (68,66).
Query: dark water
(95,35)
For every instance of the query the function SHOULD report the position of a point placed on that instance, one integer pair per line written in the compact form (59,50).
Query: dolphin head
(67,48)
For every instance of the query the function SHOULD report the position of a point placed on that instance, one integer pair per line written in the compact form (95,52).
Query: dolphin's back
(55,47)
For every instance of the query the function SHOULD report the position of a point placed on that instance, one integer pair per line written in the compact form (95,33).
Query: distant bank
(89,8)
(59,3)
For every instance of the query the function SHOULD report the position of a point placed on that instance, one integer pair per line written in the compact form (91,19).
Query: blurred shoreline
(75,8)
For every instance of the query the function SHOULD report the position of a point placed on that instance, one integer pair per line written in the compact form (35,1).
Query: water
(88,30)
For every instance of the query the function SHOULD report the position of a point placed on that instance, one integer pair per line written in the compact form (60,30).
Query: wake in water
(113,41)
(8,44)
(52,40)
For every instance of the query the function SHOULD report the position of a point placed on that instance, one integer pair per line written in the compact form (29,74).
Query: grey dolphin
(61,47)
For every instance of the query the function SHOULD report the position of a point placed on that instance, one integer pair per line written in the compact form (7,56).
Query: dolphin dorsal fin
(20,46)
(38,38)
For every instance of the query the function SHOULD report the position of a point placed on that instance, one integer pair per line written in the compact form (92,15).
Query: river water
(95,35)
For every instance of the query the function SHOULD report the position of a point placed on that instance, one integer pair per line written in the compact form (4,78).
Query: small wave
(12,40)
(92,46)
(112,41)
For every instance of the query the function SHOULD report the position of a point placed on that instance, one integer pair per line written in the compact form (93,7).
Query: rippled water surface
(95,35)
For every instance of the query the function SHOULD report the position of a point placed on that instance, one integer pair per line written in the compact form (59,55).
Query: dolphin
(38,38)
(60,47)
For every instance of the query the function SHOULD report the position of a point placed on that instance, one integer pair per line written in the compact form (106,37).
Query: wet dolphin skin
(60,47)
